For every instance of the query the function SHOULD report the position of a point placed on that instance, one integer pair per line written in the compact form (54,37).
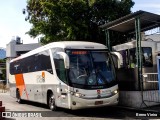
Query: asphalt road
(102,113)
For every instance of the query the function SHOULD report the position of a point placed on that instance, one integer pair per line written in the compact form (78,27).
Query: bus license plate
(98,102)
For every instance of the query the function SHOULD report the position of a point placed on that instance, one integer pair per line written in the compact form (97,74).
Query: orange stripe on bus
(20,84)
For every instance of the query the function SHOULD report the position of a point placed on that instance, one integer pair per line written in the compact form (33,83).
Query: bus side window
(30,64)
(124,54)
(44,62)
(60,68)
(17,67)
(147,57)
(37,64)
(132,57)
(11,68)
(14,67)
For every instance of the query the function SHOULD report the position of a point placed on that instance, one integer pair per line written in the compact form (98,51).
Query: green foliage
(58,20)
(3,75)
(2,60)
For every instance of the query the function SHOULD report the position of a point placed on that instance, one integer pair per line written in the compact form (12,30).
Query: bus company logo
(98,93)
(41,78)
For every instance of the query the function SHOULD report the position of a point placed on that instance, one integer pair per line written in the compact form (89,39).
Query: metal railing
(150,77)
(150,88)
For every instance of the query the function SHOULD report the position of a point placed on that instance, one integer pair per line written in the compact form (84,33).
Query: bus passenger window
(147,57)
(44,57)
(132,58)
(124,54)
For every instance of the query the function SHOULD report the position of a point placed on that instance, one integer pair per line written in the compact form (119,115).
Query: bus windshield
(91,69)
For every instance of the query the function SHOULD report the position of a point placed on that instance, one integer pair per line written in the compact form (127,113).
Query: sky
(12,21)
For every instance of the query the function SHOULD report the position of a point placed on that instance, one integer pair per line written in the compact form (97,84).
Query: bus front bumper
(80,103)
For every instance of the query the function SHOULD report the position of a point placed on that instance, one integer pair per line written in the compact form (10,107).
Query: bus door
(62,87)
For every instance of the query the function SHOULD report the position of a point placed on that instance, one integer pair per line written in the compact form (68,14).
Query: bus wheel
(51,102)
(19,100)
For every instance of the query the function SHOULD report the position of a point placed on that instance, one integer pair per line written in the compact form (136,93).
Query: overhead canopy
(127,23)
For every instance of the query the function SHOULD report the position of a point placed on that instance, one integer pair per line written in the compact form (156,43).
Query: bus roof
(132,44)
(64,45)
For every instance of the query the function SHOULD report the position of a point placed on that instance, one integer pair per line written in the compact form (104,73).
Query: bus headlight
(115,91)
(79,95)
(72,93)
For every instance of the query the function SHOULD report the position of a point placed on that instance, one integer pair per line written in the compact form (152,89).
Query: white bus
(133,91)
(128,73)
(66,74)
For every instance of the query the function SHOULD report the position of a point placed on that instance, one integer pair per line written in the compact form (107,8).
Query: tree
(3,69)
(58,20)
(104,11)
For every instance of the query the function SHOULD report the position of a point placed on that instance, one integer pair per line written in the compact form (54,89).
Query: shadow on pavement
(100,112)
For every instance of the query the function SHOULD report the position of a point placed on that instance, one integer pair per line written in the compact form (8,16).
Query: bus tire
(19,100)
(51,102)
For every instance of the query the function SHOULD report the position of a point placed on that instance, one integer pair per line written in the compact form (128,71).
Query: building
(153,37)
(15,48)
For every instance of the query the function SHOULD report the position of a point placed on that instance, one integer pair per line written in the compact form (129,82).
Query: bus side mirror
(65,58)
(117,59)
